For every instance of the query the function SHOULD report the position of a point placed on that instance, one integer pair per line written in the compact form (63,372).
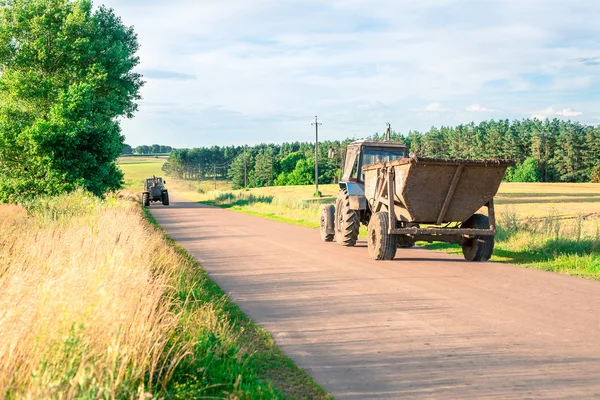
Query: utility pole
(215,174)
(245,167)
(316,125)
(388,131)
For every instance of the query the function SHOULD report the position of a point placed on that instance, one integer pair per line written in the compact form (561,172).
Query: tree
(143,149)
(262,175)
(289,162)
(65,79)
(526,172)
(303,174)
(154,149)
(242,164)
(127,149)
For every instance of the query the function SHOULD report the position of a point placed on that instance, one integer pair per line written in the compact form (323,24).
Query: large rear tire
(326,221)
(146,199)
(381,245)
(165,198)
(347,221)
(479,248)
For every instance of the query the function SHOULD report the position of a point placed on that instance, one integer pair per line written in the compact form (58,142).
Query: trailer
(403,199)
(427,199)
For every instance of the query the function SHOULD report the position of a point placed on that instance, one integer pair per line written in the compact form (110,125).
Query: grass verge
(95,302)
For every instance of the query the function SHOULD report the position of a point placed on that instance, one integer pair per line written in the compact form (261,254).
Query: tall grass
(84,309)
(554,243)
(287,208)
(95,303)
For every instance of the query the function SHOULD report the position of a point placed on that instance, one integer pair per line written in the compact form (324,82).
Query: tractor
(394,194)
(155,190)
(342,221)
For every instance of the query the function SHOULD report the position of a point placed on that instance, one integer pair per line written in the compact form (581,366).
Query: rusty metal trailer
(443,195)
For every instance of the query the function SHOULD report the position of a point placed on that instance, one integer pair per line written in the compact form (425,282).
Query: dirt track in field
(425,325)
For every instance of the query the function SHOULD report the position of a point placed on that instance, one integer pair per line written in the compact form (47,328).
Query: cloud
(589,61)
(266,63)
(435,107)
(477,108)
(169,75)
(567,112)
(577,82)
(550,112)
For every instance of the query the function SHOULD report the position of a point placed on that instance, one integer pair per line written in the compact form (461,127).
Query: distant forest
(545,151)
(146,149)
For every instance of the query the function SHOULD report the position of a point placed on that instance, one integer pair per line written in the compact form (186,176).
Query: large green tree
(65,79)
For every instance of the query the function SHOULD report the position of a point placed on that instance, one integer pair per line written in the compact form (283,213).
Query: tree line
(146,149)
(545,151)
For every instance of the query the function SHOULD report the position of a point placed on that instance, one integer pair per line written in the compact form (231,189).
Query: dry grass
(84,304)
(96,303)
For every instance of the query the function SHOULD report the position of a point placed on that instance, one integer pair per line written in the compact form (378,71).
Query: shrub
(526,172)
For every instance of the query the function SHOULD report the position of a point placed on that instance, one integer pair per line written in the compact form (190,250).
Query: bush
(595,175)
(526,172)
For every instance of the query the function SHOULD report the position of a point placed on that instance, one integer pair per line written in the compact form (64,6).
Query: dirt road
(425,325)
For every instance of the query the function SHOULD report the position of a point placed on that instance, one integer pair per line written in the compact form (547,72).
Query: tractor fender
(356,196)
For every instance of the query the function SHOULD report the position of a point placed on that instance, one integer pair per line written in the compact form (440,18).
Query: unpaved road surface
(425,325)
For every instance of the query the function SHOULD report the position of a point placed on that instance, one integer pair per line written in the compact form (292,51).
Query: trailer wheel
(165,198)
(327,222)
(382,245)
(146,199)
(347,221)
(479,248)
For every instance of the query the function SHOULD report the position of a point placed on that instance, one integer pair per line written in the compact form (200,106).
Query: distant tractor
(394,194)
(154,190)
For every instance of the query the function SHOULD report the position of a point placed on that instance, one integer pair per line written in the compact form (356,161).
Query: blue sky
(246,72)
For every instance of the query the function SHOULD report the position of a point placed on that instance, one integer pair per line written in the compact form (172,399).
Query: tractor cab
(154,182)
(364,152)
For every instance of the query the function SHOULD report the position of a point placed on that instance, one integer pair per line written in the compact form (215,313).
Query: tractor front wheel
(146,199)
(326,222)
(165,198)
(381,245)
(347,221)
(479,248)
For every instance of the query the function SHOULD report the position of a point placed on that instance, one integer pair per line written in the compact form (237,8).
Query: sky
(234,72)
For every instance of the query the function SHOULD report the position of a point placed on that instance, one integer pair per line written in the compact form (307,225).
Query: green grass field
(138,168)
(549,226)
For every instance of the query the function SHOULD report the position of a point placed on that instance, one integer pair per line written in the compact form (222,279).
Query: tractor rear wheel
(381,245)
(347,221)
(165,198)
(327,220)
(146,199)
(479,248)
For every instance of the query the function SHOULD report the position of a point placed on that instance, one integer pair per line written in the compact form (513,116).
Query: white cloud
(435,107)
(270,65)
(477,108)
(550,112)
(567,112)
